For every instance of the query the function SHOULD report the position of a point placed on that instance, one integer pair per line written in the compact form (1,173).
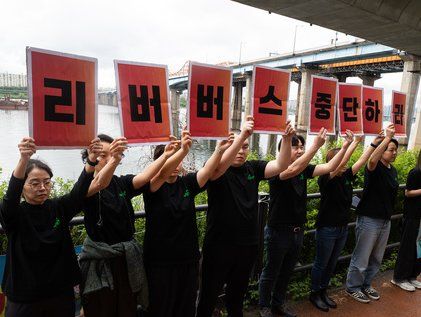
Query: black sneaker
(371,292)
(328,301)
(317,301)
(359,296)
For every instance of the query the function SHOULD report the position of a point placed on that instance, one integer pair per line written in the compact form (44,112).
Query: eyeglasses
(38,185)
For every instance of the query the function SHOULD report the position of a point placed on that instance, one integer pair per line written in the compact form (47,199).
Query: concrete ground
(393,302)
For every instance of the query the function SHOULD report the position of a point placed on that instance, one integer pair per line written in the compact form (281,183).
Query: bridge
(360,58)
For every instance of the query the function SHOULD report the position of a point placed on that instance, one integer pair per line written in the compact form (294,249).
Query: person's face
(297,151)
(104,156)
(37,187)
(391,152)
(241,156)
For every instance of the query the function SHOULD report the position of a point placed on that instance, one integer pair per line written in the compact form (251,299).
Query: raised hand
(117,147)
(94,149)
(27,148)
(248,127)
(390,131)
(186,140)
(379,138)
(221,146)
(172,147)
(348,138)
(320,138)
(359,138)
(289,130)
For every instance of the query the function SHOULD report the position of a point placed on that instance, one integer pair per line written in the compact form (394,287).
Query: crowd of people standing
(117,275)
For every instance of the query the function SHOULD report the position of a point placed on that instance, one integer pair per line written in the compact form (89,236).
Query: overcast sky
(165,32)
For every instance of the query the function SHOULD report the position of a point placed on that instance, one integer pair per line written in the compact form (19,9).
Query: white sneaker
(415,283)
(405,285)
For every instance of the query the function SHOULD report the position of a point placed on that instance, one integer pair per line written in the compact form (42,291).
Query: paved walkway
(393,302)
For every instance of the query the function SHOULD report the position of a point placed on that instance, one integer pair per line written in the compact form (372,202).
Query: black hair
(103,138)
(159,150)
(395,142)
(294,141)
(32,163)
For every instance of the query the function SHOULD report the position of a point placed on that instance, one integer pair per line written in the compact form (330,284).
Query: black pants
(230,265)
(172,290)
(60,306)
(407,264)
(119,302)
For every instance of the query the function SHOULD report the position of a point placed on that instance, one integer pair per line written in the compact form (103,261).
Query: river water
(67,163)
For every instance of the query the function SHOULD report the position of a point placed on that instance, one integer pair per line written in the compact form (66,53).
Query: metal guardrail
(262,217)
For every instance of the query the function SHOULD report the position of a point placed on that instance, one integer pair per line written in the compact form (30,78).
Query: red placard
(63,98)
(372,110)
(322,105)
(143,100)
(350,109)
(270,99)
(398,113)
(208,111)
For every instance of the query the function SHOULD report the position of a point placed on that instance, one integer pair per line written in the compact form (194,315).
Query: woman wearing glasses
(41,266)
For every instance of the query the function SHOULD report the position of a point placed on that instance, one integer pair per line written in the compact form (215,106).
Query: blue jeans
(371,236)
(282,248)
(329,243)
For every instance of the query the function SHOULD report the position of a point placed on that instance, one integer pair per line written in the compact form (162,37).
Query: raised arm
(322,169)
(204,174)
(144,177)
(347,156)
(172,163)
(302,162)
(367,153)
(413,193)
(230,154)
(283,158)
(103,178)
(378,152)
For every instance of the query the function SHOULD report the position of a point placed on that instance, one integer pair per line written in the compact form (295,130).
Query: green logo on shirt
(301,177)
(122,194)
(56,223)
(250,177)
(186,193)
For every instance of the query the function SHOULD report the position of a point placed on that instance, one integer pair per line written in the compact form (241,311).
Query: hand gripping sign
(143,100)
(372,110)
(350,108)
(398,113)
(322,105)
(208,108)
(62,91)
(270,99)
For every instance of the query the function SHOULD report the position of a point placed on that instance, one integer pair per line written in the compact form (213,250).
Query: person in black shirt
(332,219)
(408,263)
(113,277)
(287,216)
(230,246)
(373,219)
(41,266)
(171,240)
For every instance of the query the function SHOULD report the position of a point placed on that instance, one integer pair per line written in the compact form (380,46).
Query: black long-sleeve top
(40,259)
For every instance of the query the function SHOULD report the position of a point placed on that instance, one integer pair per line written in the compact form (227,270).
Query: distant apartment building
(13,80)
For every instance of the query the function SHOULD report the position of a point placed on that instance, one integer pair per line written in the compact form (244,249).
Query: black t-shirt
(171,229)
(109,214)
(336,199)
(379,194)
(288,199)
(412,205)
(40,259)
(233,202)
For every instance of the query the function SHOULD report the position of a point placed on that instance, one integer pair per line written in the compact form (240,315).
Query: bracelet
(91,163)
(373,145)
